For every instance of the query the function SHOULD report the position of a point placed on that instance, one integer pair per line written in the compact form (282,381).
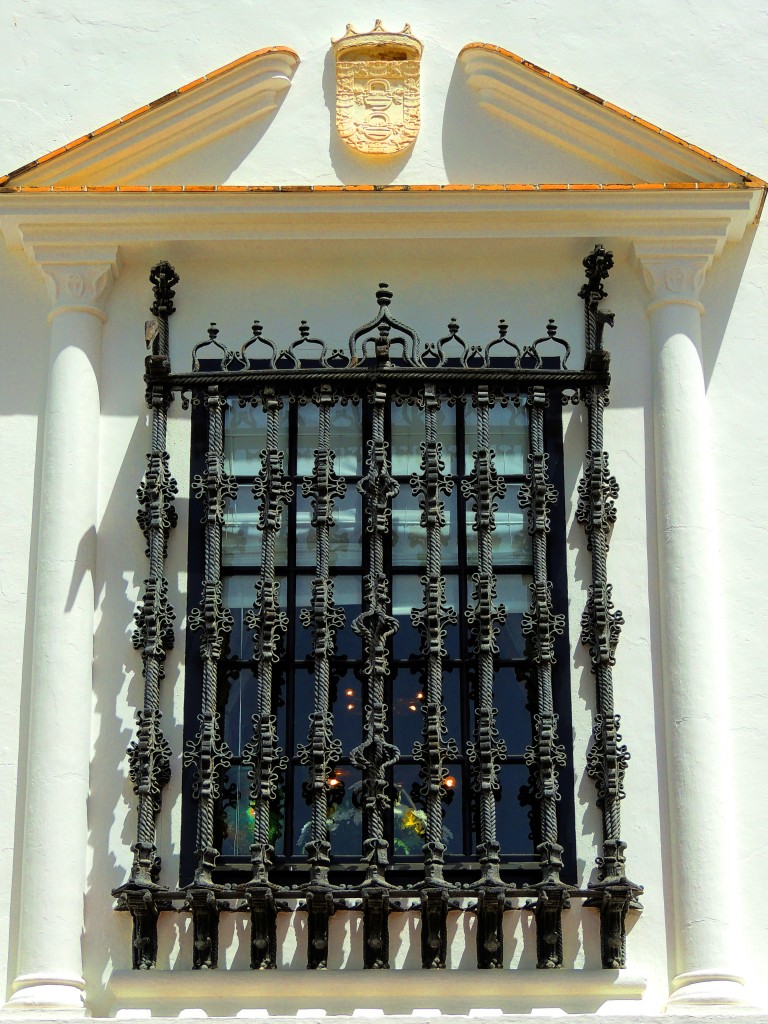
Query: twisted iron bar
(601,625)
(149,755)
(322,751)
(376,626)
(431,620)
(207,752)
(484,487)
(542,625)
(269,624)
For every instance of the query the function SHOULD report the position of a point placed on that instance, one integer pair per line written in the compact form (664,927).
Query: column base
(706,990)
(51,994)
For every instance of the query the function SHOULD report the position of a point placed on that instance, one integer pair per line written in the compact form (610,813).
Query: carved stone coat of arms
(377,89)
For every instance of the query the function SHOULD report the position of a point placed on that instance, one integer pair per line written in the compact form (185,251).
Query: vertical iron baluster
(375,625)
(269,623)
(208,753)
(487,752)
(431,621)
(541,625)
(322,751)
(601,625)
(149,755)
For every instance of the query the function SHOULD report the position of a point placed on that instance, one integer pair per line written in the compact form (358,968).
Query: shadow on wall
(118,690)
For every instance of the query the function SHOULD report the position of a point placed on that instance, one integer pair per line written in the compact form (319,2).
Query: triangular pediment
(504,120)
(225,110)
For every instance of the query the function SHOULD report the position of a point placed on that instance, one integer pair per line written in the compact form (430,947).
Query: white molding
(572,121)
(709,216)
(454,991)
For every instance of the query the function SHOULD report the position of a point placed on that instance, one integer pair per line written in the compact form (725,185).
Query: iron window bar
(425,375)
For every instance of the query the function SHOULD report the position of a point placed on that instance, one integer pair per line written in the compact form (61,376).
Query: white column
(55,822)
(694,682)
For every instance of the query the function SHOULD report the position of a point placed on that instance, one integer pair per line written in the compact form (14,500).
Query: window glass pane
(347,531)
(513,826)
(409,689)
(409,538)
(408,426)
(347,710)
(237,813)
(240,691)
(511,540)
(346,594)
(347,438)
(507,436)
(241,539)
(238,594)
(246,435)
(345,817)
(408,593)
(346,534)
(305,534)
(306,440)
(513,593)
(510,698)
(410,818)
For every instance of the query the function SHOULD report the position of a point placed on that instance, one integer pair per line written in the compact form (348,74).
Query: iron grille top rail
(384,361)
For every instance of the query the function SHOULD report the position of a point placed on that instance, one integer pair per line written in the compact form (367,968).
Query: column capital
(674,269)
(78,277)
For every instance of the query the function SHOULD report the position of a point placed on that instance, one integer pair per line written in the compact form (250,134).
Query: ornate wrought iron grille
(455,439)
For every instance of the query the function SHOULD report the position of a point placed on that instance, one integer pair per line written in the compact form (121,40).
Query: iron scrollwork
(613,894)
(386,362)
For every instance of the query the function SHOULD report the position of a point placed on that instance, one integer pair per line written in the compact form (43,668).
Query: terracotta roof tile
(749,183)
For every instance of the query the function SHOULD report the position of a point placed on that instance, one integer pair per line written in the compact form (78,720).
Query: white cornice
(202,219)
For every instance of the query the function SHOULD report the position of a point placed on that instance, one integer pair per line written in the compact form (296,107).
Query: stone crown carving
(377,89)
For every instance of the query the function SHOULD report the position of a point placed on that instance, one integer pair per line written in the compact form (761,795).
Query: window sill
(286,992)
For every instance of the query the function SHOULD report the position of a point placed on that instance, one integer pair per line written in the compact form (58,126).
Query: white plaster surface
(697,71)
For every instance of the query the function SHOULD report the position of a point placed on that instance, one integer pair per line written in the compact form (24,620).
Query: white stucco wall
(688,68)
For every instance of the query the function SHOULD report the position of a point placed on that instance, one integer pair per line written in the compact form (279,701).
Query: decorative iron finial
(383,295)
(163,279)
(597,266)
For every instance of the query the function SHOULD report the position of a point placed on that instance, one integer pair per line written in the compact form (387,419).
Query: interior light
(449,782)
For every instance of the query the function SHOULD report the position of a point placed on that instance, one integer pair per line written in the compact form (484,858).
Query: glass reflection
(408,426)
(409,537)
(345,815)
(507,436)
(409,688)
(306,438)
(513,593)
(410,819)
(346,439)
(245,436)
(407,594)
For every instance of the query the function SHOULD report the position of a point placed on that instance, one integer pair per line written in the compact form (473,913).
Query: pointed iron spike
(213,331)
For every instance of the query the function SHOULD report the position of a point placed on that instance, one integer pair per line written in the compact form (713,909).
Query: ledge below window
(368,993)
